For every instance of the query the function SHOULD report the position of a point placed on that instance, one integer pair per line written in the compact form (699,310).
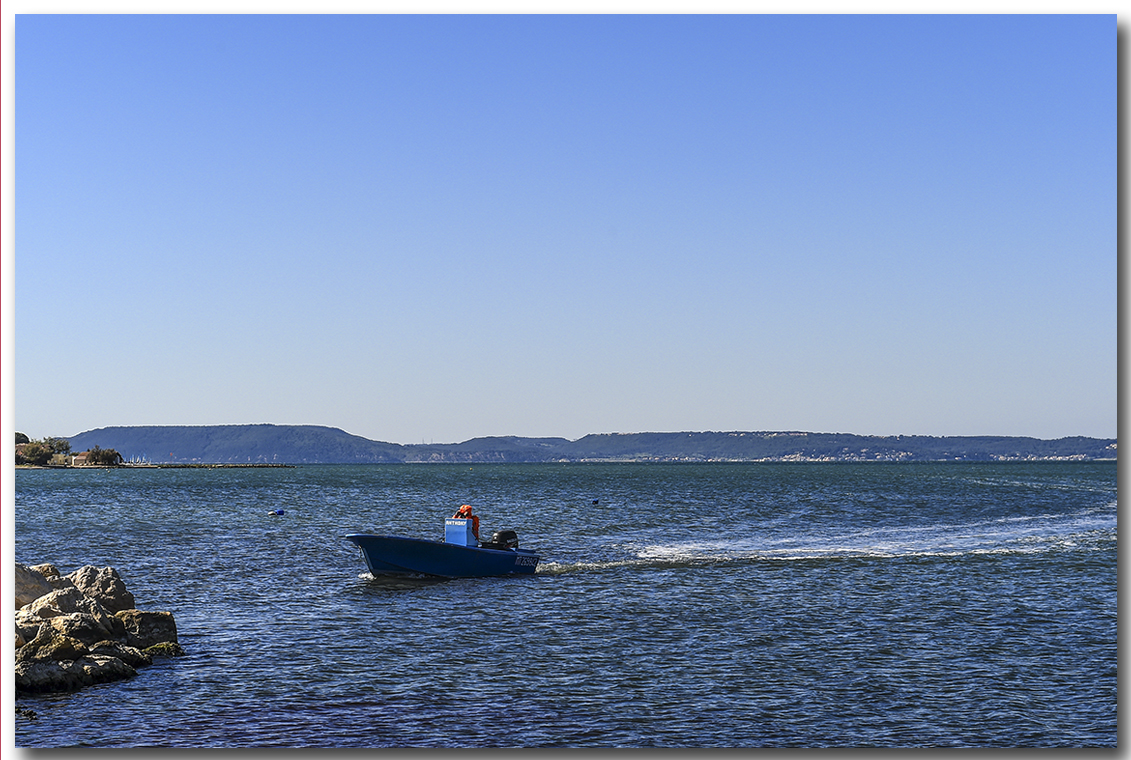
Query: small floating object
(596,501)
(276,513)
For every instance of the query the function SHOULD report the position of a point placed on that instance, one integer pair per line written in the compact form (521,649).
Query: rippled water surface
(706,605)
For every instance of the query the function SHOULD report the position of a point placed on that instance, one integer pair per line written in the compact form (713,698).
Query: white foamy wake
(1087,530)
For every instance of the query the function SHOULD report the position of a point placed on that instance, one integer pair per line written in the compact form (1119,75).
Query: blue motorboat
(459,555)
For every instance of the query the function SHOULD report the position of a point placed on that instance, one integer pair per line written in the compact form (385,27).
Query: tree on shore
(22,438)
(105,457)
(41,452)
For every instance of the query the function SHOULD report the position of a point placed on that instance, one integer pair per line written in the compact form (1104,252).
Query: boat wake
(1088,530)
(1084,531)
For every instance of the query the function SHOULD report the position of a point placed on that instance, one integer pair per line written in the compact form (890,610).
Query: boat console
(457,530)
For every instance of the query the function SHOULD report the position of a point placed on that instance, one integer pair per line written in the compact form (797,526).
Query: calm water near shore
(699,605)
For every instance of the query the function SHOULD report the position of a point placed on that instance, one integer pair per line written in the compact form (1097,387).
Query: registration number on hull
(526,561)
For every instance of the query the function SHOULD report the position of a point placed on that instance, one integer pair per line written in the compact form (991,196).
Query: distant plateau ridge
(315,444)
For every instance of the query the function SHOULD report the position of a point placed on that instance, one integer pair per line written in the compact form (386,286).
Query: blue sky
(435,228)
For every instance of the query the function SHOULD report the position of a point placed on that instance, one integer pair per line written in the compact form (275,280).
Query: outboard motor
(502,539)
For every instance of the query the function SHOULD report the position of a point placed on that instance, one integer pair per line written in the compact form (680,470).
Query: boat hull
(396,555)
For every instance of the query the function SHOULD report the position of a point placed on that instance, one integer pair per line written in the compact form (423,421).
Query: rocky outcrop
(147,629)
(83,629)
(29,585)
(105,585)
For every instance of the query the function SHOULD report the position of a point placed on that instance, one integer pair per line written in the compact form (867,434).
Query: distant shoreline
(228,466)
(312,444)
(164,466)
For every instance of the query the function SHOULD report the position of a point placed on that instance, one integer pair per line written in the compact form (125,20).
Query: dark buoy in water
(276,513)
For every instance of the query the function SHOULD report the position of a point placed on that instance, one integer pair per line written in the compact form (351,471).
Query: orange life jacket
(463,513)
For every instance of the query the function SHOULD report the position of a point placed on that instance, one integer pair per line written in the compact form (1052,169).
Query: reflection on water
(399,582)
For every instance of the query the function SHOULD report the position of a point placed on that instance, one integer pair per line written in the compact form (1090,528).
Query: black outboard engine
(502,539)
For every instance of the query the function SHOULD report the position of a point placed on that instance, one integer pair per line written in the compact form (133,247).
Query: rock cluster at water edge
(82,629)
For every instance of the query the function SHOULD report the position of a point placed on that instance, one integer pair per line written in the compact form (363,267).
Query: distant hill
(314,444)
(272,444)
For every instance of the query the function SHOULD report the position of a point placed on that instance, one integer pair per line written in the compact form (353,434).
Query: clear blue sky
(436,228)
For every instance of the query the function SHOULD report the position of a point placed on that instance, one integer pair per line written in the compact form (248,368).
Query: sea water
(676,605)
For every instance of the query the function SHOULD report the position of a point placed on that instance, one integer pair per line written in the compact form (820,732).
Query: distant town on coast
(269,444)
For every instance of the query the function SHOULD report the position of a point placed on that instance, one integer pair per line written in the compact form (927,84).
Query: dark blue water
(705,605)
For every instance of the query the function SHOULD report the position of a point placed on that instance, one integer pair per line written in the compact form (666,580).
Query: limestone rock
(60,583)
(145,628)
(73,601)
(69,675)
(51,647)
(79,625)
(27,625)
(29,585)
(83,629)
(41,677)
(104,585)
(101,669)
(132,656)
(47,570)
(165,649)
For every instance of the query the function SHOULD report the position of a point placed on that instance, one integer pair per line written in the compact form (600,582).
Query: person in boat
(464,512)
